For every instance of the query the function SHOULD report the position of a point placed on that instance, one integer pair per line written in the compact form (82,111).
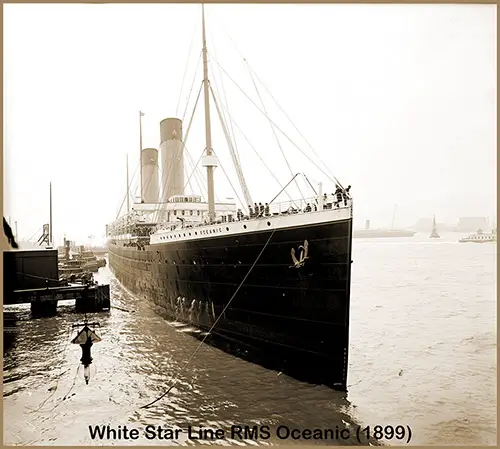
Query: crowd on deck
(334,200)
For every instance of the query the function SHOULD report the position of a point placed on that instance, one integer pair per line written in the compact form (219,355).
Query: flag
(141,113)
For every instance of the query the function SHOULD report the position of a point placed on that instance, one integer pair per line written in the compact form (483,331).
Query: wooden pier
(32,276)
(88,298)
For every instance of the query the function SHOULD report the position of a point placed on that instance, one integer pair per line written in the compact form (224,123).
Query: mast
(128,195)
(50,216)
(141,193)
(209,158)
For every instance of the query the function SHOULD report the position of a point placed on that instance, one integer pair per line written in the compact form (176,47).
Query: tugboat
(434,233)
(89,260)
(480,237)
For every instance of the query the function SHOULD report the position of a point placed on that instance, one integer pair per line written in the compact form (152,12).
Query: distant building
(472,224)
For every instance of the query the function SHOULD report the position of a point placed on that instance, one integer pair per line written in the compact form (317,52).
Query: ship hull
(288,316)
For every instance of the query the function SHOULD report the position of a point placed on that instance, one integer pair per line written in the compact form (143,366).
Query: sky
(398,101)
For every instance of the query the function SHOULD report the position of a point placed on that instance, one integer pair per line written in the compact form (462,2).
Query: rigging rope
(224,99)
(230,183)
(263,162)
(128,191)
(193,172)
(192,85)
(165,175)
(36,233)
(290,120)
(236,162)
(275,135)
(217,320)
(277,104)
(186,67)
(278,128)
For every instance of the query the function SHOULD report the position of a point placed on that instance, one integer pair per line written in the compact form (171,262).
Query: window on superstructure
(191,212)
(175,212)
(182,212)
(198,212)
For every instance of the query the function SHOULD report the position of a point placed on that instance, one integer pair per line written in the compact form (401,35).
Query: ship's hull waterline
(291,318)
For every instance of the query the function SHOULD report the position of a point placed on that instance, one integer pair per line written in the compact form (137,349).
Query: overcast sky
(398,100)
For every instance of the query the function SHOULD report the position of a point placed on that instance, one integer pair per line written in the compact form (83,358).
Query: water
(423,354)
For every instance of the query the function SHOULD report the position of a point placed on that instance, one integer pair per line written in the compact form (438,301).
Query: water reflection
(139,357)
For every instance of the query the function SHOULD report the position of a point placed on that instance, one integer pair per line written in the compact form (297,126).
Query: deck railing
(291,207)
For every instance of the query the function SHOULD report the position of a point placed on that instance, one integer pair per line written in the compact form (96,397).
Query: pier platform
(32,276)
(88,298)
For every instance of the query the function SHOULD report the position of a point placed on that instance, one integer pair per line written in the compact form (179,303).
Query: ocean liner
(270,283)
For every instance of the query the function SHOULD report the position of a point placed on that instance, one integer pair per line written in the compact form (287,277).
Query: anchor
(303,256)
(86,338)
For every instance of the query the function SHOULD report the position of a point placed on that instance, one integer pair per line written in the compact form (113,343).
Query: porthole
(269,223)
(244,226)
(227,229)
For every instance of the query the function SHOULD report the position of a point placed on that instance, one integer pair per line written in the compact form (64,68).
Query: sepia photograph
(249,224)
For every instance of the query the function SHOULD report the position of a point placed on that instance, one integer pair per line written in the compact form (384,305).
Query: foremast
(209,161)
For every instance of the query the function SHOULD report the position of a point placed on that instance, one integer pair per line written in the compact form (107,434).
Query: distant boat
(89,260)
(480,237)
(434,233)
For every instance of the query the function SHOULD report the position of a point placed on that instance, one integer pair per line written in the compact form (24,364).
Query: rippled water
(423,354)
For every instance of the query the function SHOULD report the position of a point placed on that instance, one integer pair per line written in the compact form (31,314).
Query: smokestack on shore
(150,175)
(172,157)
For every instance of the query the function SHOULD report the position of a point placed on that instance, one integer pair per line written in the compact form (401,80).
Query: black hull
(292,319)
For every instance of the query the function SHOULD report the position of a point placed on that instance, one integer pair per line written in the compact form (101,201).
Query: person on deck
(345,194)
(338,194)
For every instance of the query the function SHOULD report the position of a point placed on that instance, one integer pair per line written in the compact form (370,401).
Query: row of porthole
(203,232)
